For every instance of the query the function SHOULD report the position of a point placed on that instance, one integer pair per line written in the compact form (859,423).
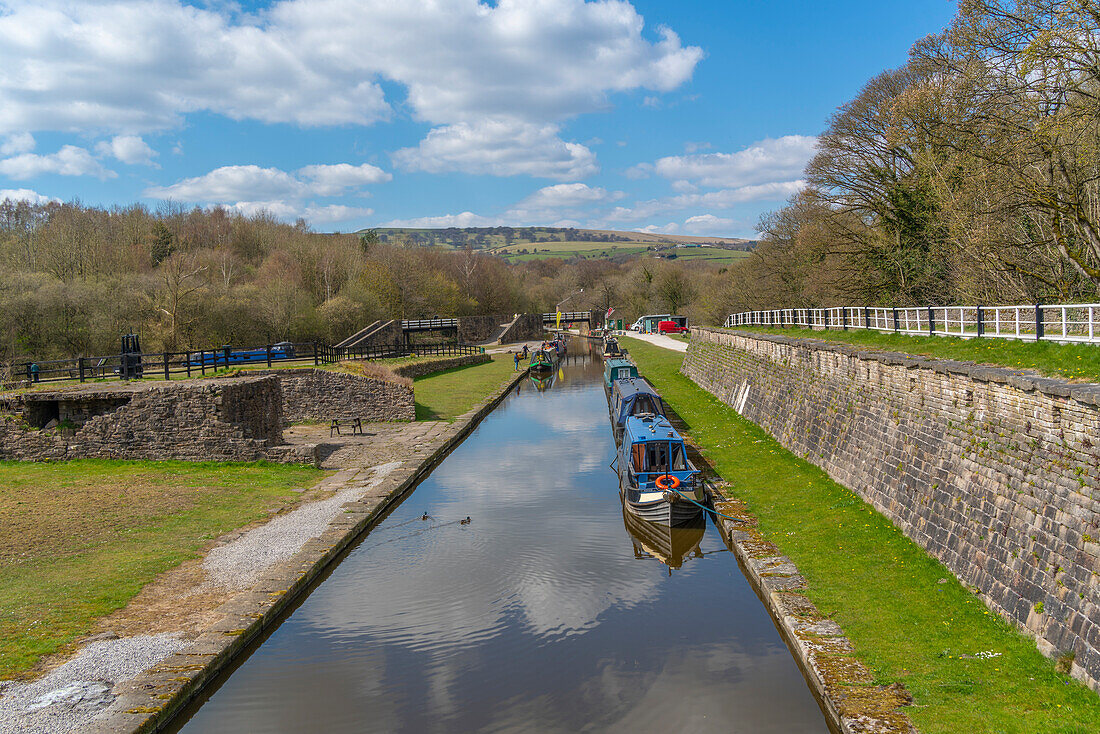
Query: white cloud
(17,143)
(465,219)
(498,78)
(31,197)
(256,184)
(68,161)
(232,183)
(707,224)
(335,179)
(669,228)
(499,147)
(714,200)
(335,213)
(129,149)
(766,161)
(567,195)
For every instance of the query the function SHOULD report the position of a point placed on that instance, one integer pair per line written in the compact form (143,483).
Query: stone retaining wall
(419,369)
(993,471)
(321,395)
(203,420)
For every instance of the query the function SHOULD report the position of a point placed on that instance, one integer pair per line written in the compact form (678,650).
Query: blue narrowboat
(618,368)
(632,397)
(657,481)
(216,357)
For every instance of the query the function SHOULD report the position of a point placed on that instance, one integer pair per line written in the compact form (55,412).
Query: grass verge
(448,394)
(883,589)
(1068,361)
(79,539)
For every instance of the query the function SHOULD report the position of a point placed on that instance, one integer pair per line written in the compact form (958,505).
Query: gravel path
(239,563)
(660,340)
(69,696)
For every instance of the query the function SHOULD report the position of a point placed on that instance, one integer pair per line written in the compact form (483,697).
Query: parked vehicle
(648,324)
(673,326)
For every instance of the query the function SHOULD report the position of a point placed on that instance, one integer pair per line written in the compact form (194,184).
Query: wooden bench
(356,425)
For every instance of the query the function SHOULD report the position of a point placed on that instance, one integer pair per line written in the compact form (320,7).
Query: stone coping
(842,684)
(1027,380)
(124,389)
(149,702)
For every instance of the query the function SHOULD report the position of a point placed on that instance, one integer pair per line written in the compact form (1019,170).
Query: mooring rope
(708,509)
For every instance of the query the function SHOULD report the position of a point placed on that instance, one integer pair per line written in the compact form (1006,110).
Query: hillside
(518,244)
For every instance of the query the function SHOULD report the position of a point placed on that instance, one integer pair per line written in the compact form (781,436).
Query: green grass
(1070,361)
(79,539)
(448,394)
(878,585)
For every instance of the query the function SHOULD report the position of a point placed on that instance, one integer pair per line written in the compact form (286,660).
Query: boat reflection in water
(543,381)
(669,545)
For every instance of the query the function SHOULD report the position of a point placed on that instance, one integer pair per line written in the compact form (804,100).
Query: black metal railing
(202,362)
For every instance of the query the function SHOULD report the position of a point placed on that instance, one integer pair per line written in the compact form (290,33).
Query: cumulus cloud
(567,196)
(68,161)
(669,228)
(465,219)
(258,184)
(707,224)
(499,147)
(252,189)
(129,149)
(31,197)
(714,200)
(766,161)
(131,66)
(335,179)
(335,213)
(17,143)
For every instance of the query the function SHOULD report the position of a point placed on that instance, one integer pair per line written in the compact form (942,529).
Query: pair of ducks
(426,516)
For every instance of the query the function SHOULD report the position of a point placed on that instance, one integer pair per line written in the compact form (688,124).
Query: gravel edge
(148,702)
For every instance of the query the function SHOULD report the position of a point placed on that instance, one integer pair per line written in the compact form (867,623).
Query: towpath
(661,340)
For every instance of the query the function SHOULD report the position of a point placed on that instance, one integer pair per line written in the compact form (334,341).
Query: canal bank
(149,701)
(909,620)
(550,610)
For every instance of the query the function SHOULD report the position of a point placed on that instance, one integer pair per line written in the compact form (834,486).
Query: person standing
(515,355)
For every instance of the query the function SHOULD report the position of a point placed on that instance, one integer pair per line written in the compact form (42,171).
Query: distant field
(543,250)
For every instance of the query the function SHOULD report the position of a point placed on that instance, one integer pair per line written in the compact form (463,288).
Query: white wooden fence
(1070,322)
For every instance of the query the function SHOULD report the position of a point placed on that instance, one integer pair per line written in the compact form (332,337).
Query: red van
(671,327)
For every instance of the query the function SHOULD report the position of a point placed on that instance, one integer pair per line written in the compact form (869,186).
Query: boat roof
(649,428)
(632,386)
(620,362)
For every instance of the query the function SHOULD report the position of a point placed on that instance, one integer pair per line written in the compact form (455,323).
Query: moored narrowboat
(542,360)
(669,545)
(632,397)
(611,347)
(618,368)
(656,479)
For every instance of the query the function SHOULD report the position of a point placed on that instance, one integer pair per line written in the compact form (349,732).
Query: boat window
(656,456)
(637,456)
(678,457)
(644,404)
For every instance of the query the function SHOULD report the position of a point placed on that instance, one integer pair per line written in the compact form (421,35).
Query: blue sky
(686,117)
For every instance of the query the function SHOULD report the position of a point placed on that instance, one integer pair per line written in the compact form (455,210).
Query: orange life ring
(667,481)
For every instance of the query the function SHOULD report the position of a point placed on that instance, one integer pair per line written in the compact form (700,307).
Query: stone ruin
(220,419)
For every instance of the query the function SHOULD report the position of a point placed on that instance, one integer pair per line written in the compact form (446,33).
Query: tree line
(74,278)
(970,175)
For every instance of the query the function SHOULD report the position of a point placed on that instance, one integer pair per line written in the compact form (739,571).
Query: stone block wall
(528,327)
(202,420)
(321,395)
(419,369)
(995,472)
(477,329)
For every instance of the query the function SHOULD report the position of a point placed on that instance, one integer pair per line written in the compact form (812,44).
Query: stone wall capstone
(993,471)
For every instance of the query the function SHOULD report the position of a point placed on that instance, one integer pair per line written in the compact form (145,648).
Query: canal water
(550,611)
